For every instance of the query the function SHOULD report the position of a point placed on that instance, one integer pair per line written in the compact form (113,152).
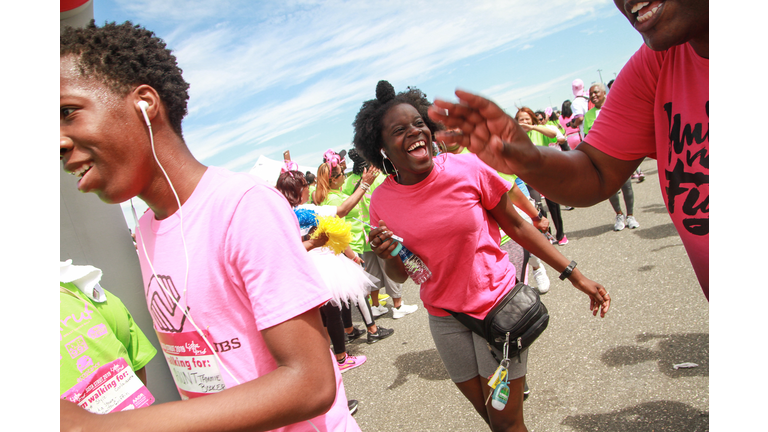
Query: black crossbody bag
(519,317)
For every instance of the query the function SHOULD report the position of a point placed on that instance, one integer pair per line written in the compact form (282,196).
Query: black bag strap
(473,324)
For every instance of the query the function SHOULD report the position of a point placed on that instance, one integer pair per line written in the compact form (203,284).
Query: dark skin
(106,132)
(402,131)
(586,176)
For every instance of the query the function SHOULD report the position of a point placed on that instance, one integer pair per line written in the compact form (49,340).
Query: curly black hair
(126,56)
(367,140)
(360,164)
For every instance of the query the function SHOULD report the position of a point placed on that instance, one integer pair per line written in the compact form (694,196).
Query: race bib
(192,363)
(113,387)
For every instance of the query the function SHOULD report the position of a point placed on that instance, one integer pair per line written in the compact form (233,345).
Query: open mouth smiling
(644,11)
(416,145)
(80,172)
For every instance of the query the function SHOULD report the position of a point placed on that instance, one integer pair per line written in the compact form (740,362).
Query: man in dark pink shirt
(659,108)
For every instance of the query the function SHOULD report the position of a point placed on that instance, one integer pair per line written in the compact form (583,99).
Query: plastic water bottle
(414,266)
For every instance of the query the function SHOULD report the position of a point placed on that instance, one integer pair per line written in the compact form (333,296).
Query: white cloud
(273,67)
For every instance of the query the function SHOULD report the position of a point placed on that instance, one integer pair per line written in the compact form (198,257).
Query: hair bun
(384,91)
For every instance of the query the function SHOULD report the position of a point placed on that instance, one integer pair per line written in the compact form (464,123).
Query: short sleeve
(140,350)
(490,184)
(265,256)
(625,127)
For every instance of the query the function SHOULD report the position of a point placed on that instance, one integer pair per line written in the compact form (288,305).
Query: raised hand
(486,130)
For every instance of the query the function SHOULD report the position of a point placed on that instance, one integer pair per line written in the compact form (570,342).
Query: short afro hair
(367,140)
(125,56)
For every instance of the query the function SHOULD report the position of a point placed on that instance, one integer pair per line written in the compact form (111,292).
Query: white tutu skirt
(344,279)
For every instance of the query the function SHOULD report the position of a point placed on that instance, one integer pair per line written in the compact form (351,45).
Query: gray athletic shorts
(375,267)
(466,355)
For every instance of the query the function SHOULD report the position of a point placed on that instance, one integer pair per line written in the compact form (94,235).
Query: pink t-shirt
(248,271)
(444,220)
(659,107)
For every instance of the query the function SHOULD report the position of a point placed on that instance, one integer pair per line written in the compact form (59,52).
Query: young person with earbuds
(213,247)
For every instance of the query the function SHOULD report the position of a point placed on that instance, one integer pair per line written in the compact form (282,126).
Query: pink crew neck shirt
(659,107)
(248,271)
(445,220)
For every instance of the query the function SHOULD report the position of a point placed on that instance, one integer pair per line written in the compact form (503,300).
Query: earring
(397,175)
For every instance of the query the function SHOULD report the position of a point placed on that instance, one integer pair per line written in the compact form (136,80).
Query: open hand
(599,300)
(486,130)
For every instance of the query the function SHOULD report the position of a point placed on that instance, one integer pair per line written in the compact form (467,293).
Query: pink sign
(192,362)
(113,387)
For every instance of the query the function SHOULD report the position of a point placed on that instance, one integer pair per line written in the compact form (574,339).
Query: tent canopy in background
(269,169)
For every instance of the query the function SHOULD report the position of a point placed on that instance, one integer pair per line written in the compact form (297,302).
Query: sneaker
(542,281)
(632,222)
(403,310)
(568,208)
(356,333)
(379,310)
(352,405)
(382,333)
(564,241)
(351,362)
(619,225)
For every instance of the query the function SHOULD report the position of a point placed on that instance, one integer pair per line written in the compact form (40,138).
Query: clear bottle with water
(414,266)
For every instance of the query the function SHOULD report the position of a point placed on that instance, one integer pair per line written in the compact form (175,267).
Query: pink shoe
(351,362)
(564,241)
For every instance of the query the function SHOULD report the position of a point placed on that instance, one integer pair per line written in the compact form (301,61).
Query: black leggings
(332,320)
(346,314)
(554,210)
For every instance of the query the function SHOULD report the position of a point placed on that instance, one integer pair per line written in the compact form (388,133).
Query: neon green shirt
(94,334)
(589,119)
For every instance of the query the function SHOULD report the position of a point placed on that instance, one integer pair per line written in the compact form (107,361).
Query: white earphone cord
(186,255)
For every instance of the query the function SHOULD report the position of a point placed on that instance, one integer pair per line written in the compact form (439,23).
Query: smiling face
(523,117)
(337,177)
(664,24)
(407,143)
(102,140)
(597,96)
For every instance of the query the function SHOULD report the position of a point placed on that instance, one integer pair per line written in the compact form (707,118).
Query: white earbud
(143,105)
(382,153)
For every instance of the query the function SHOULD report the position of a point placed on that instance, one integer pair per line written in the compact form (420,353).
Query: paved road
(585,373)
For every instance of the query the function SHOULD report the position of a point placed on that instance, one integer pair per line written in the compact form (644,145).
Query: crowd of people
(234,275)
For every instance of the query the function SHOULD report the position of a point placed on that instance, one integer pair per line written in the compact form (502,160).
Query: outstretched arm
(302,387)
(583,177)
(527,236)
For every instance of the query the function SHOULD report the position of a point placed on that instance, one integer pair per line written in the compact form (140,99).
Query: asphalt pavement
(585,373)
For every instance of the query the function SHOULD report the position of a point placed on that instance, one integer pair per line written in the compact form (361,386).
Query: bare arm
(369,175)
(518,198)
(582,177)
(547,132)
(312,243)
(276,399)
(526,236)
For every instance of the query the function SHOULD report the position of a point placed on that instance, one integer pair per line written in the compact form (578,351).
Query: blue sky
(273,76)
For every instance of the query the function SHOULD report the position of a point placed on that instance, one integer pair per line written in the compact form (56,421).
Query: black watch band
(568,270)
